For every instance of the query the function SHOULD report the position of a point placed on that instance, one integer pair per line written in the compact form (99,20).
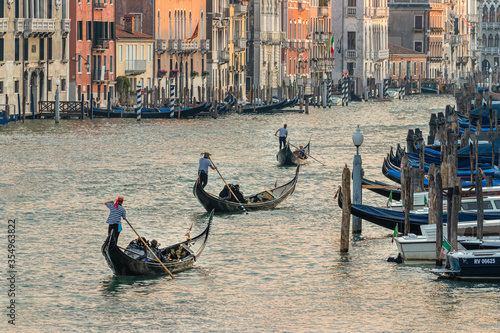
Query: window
(88,92)
(393,68)
(2,9)
(25,49)
(16,49)
(42,49)
(351,66)
(415,68)
(79,30)
(89,30)
(111,30)
(421,68)
(88,62)
(149,53)
(142,52)
(16,8)
(105,91)
(63,85)
(16,86)
(351,40)
(79,92)
(120,53)
(418,23)
(49,7)
(79,64)
(111,64)
(79,1)
(149,82)
(49,49)
(63,49)
(418,46)
(105,64)
(351,3)
(1,87)
(49,85)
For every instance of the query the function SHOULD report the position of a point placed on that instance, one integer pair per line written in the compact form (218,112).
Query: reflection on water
(278,270)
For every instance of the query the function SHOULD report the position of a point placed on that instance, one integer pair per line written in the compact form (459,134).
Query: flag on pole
(195,33)
(395,233)
(276,183)
(390,199)
(340,45)
(445,248)
(470,26)
(332,43)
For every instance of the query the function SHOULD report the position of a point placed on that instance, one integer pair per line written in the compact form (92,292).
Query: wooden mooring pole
(439,216)
(346,210)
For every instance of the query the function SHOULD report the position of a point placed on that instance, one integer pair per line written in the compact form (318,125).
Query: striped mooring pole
(386,87)
(401,91)
(139,108)
(404,91)
(172,93)
(345,99)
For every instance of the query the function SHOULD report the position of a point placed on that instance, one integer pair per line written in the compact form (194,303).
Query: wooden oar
(146,245)
(228,186)
(129,250)
(306,154)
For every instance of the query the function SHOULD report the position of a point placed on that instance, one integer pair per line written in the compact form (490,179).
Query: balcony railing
(39,26)
(173,45)
(135,67)
(240,44)
(351,54)
(99,75)
(491,25)
(65,26)
(323,11)
(381,12)
(205,45)
(101,45)
(351,12)
(382,54)
(4,26)
(491,50)
(161,45)
(19,25)
(223,55)
(272,37)
(240,10)
(98,5)
(188,46)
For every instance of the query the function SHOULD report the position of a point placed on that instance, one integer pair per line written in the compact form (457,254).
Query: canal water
(269,271)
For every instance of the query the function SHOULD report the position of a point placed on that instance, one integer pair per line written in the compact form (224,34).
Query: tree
(123,88)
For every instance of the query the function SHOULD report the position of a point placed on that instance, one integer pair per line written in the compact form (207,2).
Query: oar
(228,186)
(307,154)
(146,245)
(129,250)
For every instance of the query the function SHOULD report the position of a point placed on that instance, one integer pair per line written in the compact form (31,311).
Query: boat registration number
(484,261)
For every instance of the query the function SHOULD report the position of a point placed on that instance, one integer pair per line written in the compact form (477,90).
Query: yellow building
(134,55)
(237,47)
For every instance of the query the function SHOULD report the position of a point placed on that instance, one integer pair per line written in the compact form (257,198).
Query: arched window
(492,14)
(497,41)
(485,14)
(190,25)
(490,40)
(169,24)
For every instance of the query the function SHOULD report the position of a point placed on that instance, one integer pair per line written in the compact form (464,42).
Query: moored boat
(261,201)
(286,157)
(472,264)
(126,262)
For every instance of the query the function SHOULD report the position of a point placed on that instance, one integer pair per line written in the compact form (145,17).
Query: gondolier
(116,212)
(283,135)
(203,169)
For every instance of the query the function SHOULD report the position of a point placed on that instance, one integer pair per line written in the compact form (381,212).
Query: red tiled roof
(399,50)
(122,33)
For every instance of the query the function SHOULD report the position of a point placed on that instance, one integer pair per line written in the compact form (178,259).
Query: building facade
(237,47)
(320,27)
(362,30)
(33,52)
(92,50)
(406,64)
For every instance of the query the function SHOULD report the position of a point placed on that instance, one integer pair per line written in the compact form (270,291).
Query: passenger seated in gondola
(300,153)
(147,256)
(235,192)
(225,192)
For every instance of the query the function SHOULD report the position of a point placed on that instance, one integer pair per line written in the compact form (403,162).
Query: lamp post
(489,87)
(357,139)
(58,82)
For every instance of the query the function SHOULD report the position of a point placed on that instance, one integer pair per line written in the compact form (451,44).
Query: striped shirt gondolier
(115,215)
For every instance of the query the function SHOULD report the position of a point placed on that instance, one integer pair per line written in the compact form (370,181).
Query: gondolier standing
(203,169)
(116,212)
(283,135)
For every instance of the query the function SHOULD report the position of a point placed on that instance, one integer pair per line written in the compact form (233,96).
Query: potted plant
(162,72)
(206,73)
(174,72)
(194,74)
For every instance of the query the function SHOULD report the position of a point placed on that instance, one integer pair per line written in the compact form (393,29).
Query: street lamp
(489,88)
(58,82)
(357,198)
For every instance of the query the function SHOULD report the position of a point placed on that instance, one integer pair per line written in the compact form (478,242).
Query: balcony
(436,59)
(65,26)
(161,46)
(39,27)
(381,12)
(18,26)
(216,16)
(100,76)
(473,18)
(188,47)
(4,26)
(351,12)
(226,12)
(272,37)
(173,46)
(100,45)
(205,45)
(491,25)
(382,54)
(135,67)
(98,5)
(351,54)
(240,10)
(323,37)
(223,56)
(491,50)
(437,29)
(323,11)
(240,44)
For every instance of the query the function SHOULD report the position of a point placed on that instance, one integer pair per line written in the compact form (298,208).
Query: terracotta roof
(399,50)
(121,33)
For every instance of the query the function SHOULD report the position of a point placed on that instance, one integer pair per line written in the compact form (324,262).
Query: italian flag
(332,43)
(395,233)
(390,199)
(445,248)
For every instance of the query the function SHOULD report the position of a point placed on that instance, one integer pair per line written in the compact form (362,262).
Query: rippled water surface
(272,271)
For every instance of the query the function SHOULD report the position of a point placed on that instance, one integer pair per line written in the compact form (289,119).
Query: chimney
(129,23)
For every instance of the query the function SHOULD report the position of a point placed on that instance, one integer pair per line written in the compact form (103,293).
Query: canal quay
(269,271)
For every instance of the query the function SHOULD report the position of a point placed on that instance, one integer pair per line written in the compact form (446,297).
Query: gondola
(124,263)
(286,157)
(264,108)
(389,218)
(261,201)
(387,190)
(288,104)
(156,113)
